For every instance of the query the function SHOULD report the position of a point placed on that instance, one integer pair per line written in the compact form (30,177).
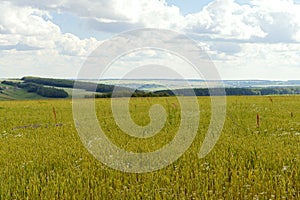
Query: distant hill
(41,88)
(12,93)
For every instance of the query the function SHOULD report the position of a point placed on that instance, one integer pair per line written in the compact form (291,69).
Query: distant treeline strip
(49,92)
(94,87)
(206,92)
(127,94)
(37,85)
(235,91)
(105,90)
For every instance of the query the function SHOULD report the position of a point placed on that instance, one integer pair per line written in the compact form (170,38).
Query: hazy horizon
(190,79)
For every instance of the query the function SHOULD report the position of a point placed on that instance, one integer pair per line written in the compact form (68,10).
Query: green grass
(18,94)
(21,94)
(248,162)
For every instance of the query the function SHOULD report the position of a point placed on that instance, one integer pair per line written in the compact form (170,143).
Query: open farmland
(256,157)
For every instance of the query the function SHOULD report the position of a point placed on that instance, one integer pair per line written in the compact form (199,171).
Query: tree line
(49,92)
(235,91)
(88,86)
(37,85)
(136,93)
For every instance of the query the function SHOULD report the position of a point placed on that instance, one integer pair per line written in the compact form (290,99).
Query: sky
(255,39)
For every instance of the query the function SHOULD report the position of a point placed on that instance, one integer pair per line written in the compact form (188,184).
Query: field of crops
(256,157)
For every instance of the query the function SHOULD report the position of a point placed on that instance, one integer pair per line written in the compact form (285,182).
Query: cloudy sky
(256,39)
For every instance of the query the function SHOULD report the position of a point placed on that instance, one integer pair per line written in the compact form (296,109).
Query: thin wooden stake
(257,120)
(54,114)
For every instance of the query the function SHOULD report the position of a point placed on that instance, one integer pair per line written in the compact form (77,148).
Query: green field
(17,94)
(42,156)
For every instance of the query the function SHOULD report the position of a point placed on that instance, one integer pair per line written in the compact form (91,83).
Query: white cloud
(261,61)
(225,19)
(33,27)
(146,59)
(30,43)
(262,21)
(151,13)
(280,19)
(239,37)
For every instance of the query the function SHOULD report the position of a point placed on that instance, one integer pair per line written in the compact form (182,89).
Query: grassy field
(42,157)
(12,93)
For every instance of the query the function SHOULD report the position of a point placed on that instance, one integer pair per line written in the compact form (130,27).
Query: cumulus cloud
(24,27)
(31,44)
(261,21)
(232,33)
(225,19)
(280,19)
(272,21)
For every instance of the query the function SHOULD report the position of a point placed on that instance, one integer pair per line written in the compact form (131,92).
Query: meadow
(256,157)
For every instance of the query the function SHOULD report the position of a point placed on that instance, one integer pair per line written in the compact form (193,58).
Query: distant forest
(102,88)
(238,91)
(53,88)
(41,90)
(105,91)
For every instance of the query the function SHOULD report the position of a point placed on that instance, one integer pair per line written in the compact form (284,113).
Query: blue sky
(257,39)
(189,6)
(193,6)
